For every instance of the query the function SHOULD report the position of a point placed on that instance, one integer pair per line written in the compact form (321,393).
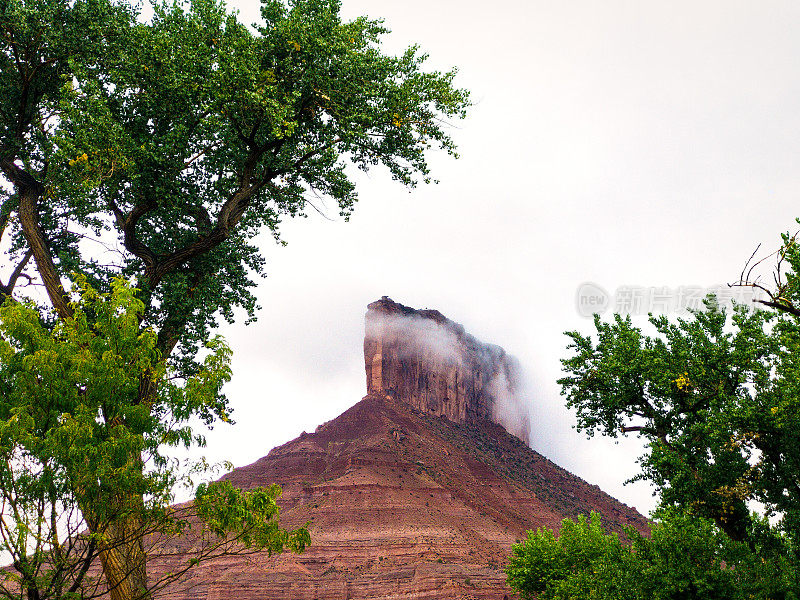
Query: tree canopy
(70,423)
(716,400)
(715,397)
(184,137)
(156,151)
(685,558)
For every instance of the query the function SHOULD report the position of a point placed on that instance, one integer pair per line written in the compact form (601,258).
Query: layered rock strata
(414,493)
(403,506)
(430,362)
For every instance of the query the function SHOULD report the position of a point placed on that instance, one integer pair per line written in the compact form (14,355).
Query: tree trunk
(29,220)
(118,520)
(124,559)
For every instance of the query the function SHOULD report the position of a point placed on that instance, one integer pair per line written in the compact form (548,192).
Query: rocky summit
(416,492)
(424,359)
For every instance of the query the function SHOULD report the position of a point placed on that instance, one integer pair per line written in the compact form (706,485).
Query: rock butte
(415,492)
(426,360)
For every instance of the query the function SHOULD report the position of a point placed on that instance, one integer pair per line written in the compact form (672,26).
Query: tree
(157,151)
(716,398)
(686,558)
(69,422)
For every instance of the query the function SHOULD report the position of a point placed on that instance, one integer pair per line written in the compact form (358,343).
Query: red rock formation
(402,504)
(430,362)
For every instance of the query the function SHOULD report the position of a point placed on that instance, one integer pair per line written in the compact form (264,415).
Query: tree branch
(229,216)
(632,428)
(30,190)
(127,223)
(780,306)
(6,290)
(84,567)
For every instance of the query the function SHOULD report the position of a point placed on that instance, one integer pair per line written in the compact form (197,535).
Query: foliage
(574,565)
(247,516)
(157,151)
(715,398)
(185,137)
(685,558)
(69,423)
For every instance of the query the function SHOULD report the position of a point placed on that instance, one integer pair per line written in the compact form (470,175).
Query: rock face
(413,493)
(426,360)
(403,505)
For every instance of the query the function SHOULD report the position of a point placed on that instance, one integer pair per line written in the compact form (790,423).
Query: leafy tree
(157,151)
(716,398)
(572,565)
(69,422)
(686,558)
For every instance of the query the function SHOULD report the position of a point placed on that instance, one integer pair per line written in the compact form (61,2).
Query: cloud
(511,407)
(436,362)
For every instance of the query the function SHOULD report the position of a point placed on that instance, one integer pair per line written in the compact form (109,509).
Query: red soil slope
(402,505)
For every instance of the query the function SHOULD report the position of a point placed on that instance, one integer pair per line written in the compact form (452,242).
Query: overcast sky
(621,143)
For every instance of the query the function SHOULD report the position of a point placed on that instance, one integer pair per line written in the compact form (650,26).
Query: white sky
(622,143)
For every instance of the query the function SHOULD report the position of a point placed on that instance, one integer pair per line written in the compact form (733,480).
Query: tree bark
(29,220)
(124,560)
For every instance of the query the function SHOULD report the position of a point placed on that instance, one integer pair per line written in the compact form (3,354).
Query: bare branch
(632,428)
(30,190)
(6,290)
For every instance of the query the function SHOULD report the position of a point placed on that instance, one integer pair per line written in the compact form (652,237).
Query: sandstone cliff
(403,506)
(426,360)
(414,493)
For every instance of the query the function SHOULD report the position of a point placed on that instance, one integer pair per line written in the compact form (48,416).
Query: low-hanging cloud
(510,408)
(467,366)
